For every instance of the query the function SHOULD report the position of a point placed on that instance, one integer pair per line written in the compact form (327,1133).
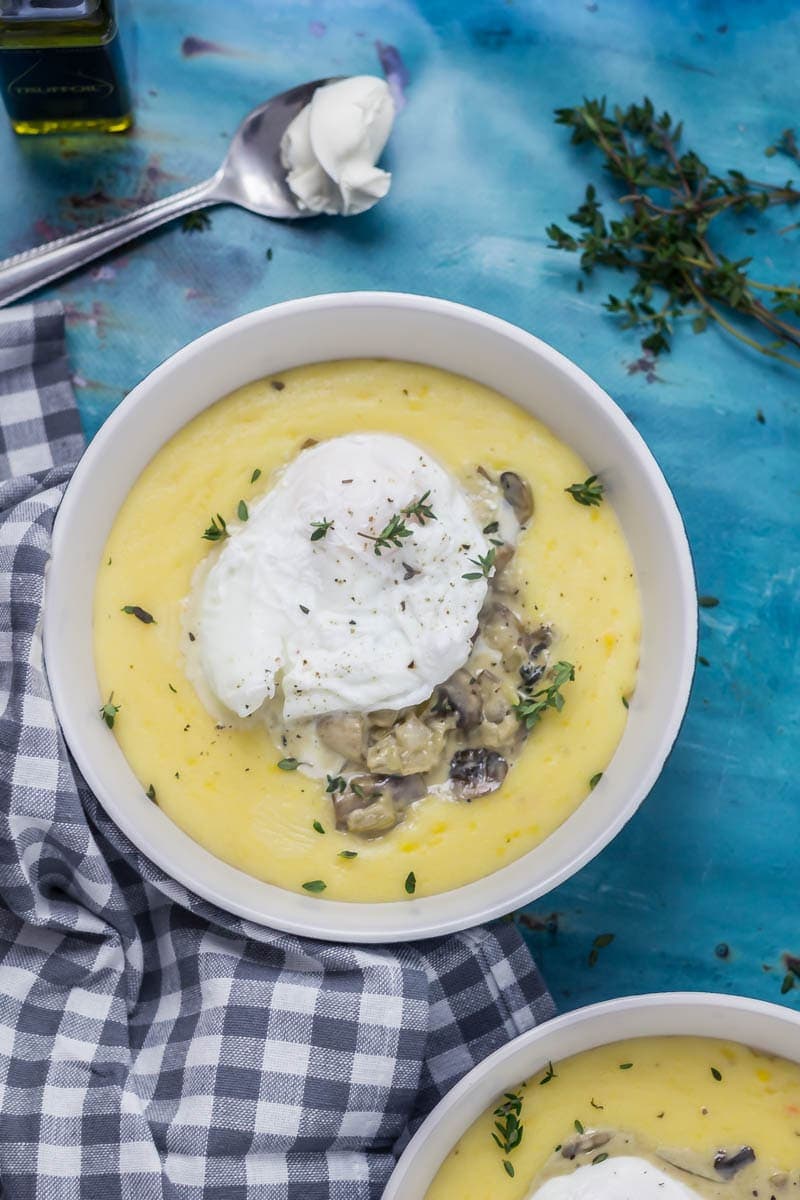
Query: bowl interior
(457,339)
(731,1018)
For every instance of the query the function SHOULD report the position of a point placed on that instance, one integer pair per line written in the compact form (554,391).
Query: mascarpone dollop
(339,627)
(330,149)
(627,1178)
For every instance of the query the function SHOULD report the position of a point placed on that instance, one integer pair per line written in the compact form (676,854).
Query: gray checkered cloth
(151,1045)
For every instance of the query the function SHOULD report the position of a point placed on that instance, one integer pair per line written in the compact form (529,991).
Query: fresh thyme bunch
(664,233)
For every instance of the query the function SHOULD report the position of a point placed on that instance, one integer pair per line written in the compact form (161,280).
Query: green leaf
(141,614)
(315,885)
(317,825)
(256,475)
(242,512)
(288,764)
(410,883)
(348,854)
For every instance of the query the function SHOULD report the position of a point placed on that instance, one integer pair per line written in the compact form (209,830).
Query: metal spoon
(251,175)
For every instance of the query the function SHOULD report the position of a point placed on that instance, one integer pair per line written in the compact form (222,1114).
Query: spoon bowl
(251,176)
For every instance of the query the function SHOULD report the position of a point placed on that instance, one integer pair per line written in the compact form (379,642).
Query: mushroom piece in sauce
(476,772)
(517,493)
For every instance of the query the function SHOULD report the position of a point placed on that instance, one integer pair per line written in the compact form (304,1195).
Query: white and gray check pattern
(152,1047)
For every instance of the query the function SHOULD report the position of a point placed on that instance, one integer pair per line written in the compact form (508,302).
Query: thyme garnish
(196,222)
(109,710)
(392,534)
(318,827)
(320,529)
(485,562)
(134,610)
(531,706)
(669,200)
(593,782)
(587,493)
(411,883)
(509,1127)
(216,530)
(256,475)
(315,885)
(151,794)
(549,1074)
(336,783)
(600,942)
(419,509)
(288,764)
(348,854)
(242,511)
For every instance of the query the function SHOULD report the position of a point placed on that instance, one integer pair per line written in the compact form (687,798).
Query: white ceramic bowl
(753,1023)
(375,324)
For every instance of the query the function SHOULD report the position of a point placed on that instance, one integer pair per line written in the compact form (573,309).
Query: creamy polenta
(221,781)
(719,1118)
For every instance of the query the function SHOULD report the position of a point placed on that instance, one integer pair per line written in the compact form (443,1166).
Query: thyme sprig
(109,710)
(217,530)
(485,562)
(392,534)
(532,705)
(320,529)
(509,1128)
(420,509)
(669,198)
(588,493)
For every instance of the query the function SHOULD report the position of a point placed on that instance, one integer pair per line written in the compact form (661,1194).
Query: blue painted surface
(480,169)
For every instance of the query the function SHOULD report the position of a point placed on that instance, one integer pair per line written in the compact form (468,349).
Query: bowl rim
(586,1017)
(403,920)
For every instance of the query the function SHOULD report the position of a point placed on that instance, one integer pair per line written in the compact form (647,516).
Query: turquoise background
(480,170)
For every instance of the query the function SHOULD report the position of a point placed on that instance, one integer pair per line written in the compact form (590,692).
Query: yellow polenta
(223,786)
(669,1096)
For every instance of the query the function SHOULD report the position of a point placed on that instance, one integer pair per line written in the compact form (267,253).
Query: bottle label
(84,82)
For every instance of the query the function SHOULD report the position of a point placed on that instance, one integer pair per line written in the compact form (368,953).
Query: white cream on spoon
(330,149)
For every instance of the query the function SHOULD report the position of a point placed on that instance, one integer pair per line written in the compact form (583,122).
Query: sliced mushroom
(476,772)
(461,693)
(408,748)
(689,1162)
(729,1163)
(346,734)
(378,817)
(592,1139)
(517,493)
(504,579)
(537,643)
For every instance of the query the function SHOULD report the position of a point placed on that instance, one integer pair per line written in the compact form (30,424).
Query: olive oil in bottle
(61,69)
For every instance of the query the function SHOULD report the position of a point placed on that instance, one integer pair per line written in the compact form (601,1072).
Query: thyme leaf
(486,564)
(588,493)
(141,614)
(109,710)
(216,530)
(320,529)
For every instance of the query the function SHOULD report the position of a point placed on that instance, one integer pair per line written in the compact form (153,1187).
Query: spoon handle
(23,273)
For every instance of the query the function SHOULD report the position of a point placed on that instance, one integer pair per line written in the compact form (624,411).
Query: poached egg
(330,149)
(339,621)
(627,1178)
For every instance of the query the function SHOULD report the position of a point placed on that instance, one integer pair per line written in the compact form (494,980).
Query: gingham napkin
(151,1045)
